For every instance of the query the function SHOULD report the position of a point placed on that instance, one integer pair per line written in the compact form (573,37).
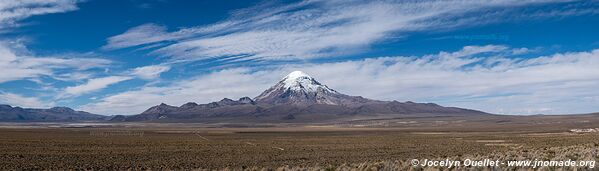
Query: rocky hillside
(55,114)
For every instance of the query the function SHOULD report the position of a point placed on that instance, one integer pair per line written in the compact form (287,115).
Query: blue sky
(121,57)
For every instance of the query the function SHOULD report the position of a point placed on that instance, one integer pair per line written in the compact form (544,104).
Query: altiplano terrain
(167,146)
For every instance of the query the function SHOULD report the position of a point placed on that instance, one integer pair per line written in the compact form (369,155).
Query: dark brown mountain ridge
(56,114)
(296,98)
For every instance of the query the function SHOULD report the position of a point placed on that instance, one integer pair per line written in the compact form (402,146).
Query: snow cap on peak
(296,86)
(298,80)
(296,74)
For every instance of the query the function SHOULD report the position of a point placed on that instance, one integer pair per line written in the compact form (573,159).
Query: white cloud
(21,101)
(144,34)
(17,64)
(232,83)
(94,84)
(12,11)
(491,83)
(478,77)
(150,72)
(314,29)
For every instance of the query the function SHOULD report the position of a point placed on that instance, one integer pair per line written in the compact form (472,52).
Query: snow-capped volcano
(296,98)
(298,88)
(300,81)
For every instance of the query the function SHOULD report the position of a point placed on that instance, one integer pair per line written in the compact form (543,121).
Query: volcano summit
(297,98)
(300,89)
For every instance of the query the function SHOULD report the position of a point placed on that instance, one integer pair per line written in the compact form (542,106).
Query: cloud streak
(317,29)
(21,101)
(13,11)
(231,83)
(18,64)
(93,85)
(150,72)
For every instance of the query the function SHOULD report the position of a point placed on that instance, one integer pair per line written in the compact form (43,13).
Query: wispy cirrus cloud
(231,83)
(488,78)
(22,101)
(13,11)
(315,29)
(18,64)
(93,85)
(150,71)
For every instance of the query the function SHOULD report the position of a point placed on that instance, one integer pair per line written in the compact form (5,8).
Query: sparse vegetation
(276,148)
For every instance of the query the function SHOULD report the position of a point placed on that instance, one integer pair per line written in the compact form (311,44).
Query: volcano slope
(297,98)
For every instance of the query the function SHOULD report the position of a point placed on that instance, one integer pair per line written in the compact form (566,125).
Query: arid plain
(356,145)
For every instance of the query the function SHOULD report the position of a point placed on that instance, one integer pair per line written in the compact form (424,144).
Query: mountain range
(298,97)
(56,114)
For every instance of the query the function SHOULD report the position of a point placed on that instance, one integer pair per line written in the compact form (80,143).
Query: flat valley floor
(320,147)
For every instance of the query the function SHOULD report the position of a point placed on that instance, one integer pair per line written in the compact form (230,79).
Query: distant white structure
(585,130)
